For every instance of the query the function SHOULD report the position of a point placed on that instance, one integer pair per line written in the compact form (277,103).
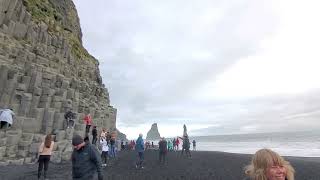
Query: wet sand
(201,166)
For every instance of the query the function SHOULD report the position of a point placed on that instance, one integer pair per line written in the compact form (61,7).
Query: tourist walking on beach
(139,147)
(103,133)
(86,160)
(122,145)
(170,145)
(105,149)
(269,165)
(194,144)
(186,146)
(177,143)
(94,133)
(88,122)
(45,150)
(113,145)
(162,150)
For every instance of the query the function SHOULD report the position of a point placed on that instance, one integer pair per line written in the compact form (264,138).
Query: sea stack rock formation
(45,70)
(153,133)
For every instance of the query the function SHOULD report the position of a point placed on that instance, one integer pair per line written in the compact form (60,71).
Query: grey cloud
(146,52)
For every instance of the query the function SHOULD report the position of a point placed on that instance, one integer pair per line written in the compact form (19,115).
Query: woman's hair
(263,159)
(47,141)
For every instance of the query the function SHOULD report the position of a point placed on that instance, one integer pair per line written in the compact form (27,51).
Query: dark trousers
(94,140)
(162,156)
(104,156)
(141,158)
(70,123)
(4,124)
(187,150)
(88,128)
(43,162)
(113,151)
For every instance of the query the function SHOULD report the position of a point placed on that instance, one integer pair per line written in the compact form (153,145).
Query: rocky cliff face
(45,70)
(153,133)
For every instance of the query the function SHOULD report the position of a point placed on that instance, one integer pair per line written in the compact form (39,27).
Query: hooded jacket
(139,145)
(86,162)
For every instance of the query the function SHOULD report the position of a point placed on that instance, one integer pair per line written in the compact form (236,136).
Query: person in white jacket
(6,118)
(105,150)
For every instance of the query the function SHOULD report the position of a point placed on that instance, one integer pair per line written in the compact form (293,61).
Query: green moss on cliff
(77,49)
(44,11)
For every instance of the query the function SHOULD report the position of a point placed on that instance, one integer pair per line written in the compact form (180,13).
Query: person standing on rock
(139,147)
(6,118)
(88,122)
(86,160)
(69,116)
(45,150)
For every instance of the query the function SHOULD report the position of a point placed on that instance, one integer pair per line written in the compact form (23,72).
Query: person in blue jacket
(140,149)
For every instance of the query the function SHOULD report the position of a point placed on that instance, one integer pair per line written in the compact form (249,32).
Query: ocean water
(301,144)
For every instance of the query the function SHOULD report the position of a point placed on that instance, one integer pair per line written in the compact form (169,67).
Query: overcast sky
(218,66)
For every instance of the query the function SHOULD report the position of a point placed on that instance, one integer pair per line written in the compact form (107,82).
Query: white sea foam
(300,149)
(301,144)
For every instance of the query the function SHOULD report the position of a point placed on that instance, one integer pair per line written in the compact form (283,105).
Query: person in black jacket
(186,146)
(86,160)
(94,133)
(69,117)
(163,149)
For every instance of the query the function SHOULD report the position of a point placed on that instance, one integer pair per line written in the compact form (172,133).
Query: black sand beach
(202,166)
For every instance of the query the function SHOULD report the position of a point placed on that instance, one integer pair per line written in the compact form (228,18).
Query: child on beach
(105,149)
(269,165)
(113,145)
(45,150)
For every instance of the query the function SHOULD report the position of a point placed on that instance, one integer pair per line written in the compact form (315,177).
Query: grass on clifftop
(44,11)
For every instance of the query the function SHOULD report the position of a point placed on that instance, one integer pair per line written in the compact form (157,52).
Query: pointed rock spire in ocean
(153,133)
(185,131)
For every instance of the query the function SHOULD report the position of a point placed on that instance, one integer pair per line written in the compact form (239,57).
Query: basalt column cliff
(45,70)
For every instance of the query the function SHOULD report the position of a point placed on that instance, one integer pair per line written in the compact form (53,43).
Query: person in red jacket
(88,122)
(177,143)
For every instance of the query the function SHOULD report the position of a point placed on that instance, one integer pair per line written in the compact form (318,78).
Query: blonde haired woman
(269,165)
